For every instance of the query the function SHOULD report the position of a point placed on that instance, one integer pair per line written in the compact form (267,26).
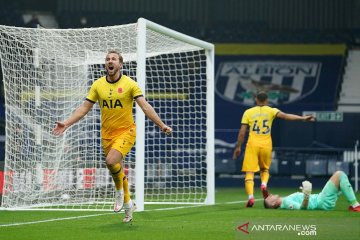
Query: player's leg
(114,163)
(249,188)
(329,194)
(264,163)
(126,188)
(250,166)
(129,207)
(341,181)
(123,144)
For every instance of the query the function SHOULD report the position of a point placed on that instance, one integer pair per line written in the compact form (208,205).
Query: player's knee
(249,176)
(111,162)
(339,173)
(336,177)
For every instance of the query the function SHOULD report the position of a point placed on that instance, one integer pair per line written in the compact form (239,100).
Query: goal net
(47,74)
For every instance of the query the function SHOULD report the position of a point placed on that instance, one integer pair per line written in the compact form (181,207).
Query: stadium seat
(284,168)
(274,167)
(224,162)
(225,165)
(316,167)
(334,166)
(352,169)
(298,167)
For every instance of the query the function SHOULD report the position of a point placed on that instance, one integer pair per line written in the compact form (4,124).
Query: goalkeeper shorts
(122,143)
(328,196)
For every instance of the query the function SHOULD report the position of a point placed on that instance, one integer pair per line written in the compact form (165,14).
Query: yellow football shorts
(256,158)
(123,142)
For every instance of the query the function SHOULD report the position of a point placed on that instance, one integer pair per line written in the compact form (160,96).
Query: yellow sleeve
(136,91)
(275,111)
(92,95)
(245,119)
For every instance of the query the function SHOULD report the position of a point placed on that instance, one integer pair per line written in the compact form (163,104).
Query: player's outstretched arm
(294,117)
(79,113)
(152,115)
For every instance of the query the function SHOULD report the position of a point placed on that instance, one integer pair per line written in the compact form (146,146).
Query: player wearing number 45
(115,94)
(325,200)
(259,145)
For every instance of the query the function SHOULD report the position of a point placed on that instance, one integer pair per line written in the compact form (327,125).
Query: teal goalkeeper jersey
(295,200)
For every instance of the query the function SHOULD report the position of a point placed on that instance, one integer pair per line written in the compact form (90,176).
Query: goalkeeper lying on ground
(325,200)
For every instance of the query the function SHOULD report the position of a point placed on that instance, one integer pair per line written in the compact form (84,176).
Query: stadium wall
(298,77)
(275,14)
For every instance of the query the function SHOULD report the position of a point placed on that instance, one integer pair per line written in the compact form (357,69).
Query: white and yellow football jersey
(260,119)
(116,100)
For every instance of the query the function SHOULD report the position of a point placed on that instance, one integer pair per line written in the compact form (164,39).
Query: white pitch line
(194,206)
(51,220)
(102,214)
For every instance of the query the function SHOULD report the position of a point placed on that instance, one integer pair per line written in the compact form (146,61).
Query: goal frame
(140,56)
(209,48)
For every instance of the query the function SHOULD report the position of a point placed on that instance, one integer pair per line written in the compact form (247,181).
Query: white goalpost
(47,74)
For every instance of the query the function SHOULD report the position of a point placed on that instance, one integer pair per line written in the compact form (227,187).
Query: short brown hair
(121,60)
(262,96)
(268,206)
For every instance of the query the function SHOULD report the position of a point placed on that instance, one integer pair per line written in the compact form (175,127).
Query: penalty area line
(102,214)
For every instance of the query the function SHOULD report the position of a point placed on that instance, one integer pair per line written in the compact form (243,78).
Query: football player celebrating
(115,94)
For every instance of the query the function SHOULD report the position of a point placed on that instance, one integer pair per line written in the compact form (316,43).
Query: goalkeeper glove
(306,187)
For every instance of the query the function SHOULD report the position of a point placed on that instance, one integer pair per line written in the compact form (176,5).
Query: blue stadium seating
(284,167)
(225,165)
(317,167)
(298,167)
(334,166)
(224,162)
(274,167)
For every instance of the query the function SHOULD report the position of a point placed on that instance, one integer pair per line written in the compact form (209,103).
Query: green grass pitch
(220,221)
